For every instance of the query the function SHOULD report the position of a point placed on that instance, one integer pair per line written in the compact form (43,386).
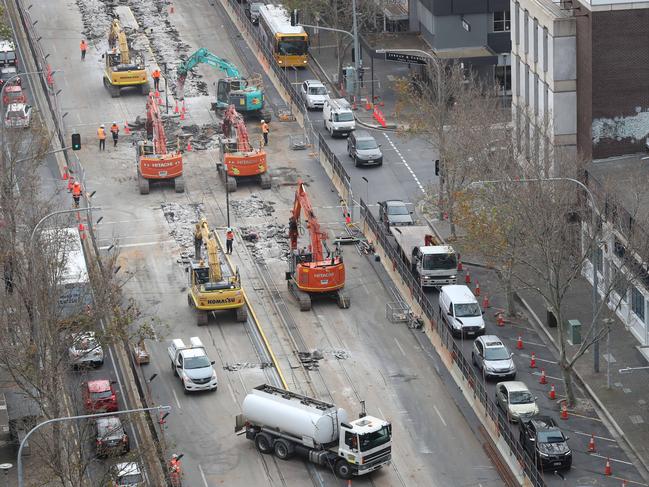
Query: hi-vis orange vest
(101,133)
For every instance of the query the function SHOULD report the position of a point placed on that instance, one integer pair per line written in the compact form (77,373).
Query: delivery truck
(289,424)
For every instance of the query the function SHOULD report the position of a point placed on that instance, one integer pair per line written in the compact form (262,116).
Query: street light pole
(54,213)
(594,246)
(74,418)
(357,55)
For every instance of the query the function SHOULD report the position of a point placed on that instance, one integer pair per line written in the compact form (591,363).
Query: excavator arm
(233,121)
(203,233)
(300,204)
(203,56)
(154,120)
(117,37)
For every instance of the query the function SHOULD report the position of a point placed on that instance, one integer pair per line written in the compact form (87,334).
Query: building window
(620,284)
(637,303)
(517,29)
(504,78)
(536,40)
(526,32)
(545,49)
(502,22)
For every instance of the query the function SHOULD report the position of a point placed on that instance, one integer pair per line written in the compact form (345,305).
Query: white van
(459,308)
(338,117)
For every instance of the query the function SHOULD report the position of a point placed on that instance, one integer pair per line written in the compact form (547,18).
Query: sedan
(85,350)
(18,115)
(99,396)
(394,213)
(111,438)
(516,400)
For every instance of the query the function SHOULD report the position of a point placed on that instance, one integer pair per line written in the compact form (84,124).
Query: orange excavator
(154,163)
(310,272)
(238,158)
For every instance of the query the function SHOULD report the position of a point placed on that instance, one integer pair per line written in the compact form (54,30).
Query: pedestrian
(76,193)
(84,47)
(229,239)
(101,133)
(264,131)
(156,79)
(114,129)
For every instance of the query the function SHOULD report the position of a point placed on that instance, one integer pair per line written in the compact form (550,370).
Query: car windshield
(317,90)
(499,353)
(254,7)
(15,114)
(377,438)
(86,344)
(344,117)
(521,397)
(398,210)
(292,46)
(367,144)
(197,362)
(467,309)
(110,426)
(95,396)
(550,436)
(439,261)
(131,479)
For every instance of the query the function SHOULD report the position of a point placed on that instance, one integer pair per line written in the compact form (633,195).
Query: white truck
(338,117)
(434,265)
(290,424)
(192,365)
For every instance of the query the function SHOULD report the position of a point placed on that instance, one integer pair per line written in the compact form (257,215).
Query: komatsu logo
(222,301)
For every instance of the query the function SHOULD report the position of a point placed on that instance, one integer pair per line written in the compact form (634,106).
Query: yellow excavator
(124,67)
(212,287)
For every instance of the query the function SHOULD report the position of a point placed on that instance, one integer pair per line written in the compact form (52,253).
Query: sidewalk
(624,405)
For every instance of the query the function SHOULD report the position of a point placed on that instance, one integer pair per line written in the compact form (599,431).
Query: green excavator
(246,94)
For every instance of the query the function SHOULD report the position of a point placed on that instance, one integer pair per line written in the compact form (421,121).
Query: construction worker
(76,193)
(229,239)
(114,129)
(156,79)
(264,131)
(101,133)
(84,47)
(175,470)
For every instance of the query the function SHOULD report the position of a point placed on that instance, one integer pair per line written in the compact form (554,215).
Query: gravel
(182,220)
(96,17)
(253,205)
(268,242)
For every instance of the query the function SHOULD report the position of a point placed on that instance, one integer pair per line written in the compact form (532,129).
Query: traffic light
(436,167)
(76,141)
(295,19)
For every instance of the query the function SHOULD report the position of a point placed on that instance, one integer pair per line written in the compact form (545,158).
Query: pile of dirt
(96,18)
(182,220)
(253,205)
(203,137)
(268,242)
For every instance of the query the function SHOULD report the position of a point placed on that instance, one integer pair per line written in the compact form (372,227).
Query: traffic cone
(543,379)
(157,94)
(591,444)
(533,361)
(500,321)
(459,265)
(81,227)
(608,471)
(519,343)
(467,278)
(176,107)
(189,145)
(553,393)
(564,411)
(477,288)
(485,302)
(65,173)
(182,115)
(127,129)
(183,109)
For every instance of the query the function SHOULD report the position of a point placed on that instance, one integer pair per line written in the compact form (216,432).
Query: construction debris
(268,242)
(253,205)
(181,219)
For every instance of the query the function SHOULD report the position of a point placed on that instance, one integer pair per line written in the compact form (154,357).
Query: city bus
(288,44)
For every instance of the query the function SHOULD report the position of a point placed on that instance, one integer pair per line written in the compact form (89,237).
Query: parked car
(313,94)
(491,356)
(252,12)
(18,115)
(364,149)
(127,474)
(85,350)
(7,53)
(8,75)
(516,400)
(544,441)
(99,396)
(14,94)
(460,310)
(394,213)
(111,438)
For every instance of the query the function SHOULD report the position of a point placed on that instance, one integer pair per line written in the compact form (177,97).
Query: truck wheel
(231,185)
(342,469)
(283,449)
(202,317)
(242,314)
(179,184)
(263,443)
(174,369)
(142,183)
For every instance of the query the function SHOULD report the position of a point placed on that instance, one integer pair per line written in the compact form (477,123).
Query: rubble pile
(253,206)
(182,220)
(203,137)
(96,19)
(267,243)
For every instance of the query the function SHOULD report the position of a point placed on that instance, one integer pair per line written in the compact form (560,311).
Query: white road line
(440,416)
(611,459)
(400,347)
(125,221)
(598,437)
(421,187)
(548,376)
(141,244)
(380,412)
(234,399)
(200,469)
(176,398)
(539,359)
(529,343)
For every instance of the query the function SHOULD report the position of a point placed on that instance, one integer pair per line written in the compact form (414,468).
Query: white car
(86,350)
(314,94)
(516,400)
(18,115)
(127,474)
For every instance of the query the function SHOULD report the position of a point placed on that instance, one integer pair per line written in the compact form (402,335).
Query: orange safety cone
(543,379)
(500,321)
(591,444)
(477,288)
(189,146)
(533,361)
(176,107)
(608,471)
(519,343)
(485,302)
(183,109)
(564,411)
(182,115)
(467,278)
(553,393)
(81,227)
(459,266)
(368,105)
(65,173)
(127,129)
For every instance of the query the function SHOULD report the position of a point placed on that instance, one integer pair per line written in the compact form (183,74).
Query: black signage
(404,58)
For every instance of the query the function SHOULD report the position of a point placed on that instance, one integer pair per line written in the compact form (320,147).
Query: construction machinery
(246,94)
(310,272)
(124,67)
(238,158)
(212,287)
(154,162)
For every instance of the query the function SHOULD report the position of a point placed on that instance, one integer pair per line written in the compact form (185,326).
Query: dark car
(363,149)
(111,438)
(252,12)
(544,442)
(394,213)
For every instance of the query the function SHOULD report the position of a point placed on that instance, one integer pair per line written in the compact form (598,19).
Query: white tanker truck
(290,424)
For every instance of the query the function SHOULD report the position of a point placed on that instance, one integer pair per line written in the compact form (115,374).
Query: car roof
(13,88)
(491,341)
(109,422)
(314,82)
(99,385)
(16,107)
(514,385)
(362,134)
(544,423)
(9,69)
(127,468)
(394,203)
(459,293)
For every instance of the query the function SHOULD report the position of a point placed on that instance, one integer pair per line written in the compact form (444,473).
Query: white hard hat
(102,125)
(263,121)
(174,456)
(114,123)
(229,229)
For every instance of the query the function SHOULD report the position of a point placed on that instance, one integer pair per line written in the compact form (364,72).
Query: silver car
(86,350)
(364,149)
(18,115)
(491,356)
(314,94)
(127,474)
(516,400)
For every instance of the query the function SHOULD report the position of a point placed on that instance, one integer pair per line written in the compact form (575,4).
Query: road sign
(401,57)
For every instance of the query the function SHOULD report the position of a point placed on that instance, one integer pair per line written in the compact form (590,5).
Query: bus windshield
(292,46)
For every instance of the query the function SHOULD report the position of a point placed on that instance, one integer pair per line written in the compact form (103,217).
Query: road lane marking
(548,376)
(611,459)
(176,398)
(200,469)
(529,343)
(598,437)
(141,244)
(403,159)
(234,399)
(539,359)
(400,347)
(440,416)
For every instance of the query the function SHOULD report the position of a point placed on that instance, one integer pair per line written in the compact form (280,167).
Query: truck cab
(338,117)
(192,365)
(435,265)
(365,444)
